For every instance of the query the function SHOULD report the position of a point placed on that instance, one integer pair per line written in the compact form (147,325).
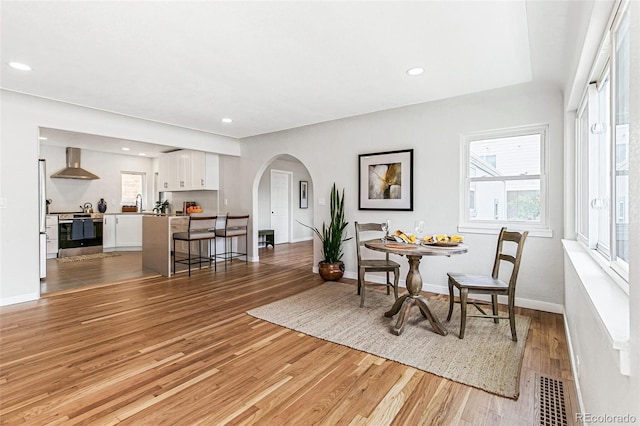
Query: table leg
(433,320)
(413,297)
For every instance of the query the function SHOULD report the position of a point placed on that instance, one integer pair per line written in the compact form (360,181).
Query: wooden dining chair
(490,284)
(374,265)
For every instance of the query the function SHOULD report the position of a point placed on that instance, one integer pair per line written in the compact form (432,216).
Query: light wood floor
(182,351)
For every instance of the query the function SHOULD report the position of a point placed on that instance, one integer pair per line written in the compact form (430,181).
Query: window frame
(143,192)
(469,225)
(604,66)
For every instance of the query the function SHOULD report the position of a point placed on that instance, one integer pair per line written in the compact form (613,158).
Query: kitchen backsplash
(208,200)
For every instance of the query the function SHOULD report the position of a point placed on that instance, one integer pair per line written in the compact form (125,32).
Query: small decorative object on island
(332,237)
(102,205)
(161,207)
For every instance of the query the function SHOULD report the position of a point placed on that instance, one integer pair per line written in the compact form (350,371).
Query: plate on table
(442,244)
(399,245)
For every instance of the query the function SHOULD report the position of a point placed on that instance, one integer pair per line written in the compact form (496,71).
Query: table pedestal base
(404,304)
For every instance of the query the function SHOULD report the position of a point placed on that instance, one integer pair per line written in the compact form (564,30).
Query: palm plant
(333,235)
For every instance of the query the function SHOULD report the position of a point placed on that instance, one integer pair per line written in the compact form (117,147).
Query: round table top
(406,249)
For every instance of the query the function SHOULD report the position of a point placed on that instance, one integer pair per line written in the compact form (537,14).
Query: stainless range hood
(73,169)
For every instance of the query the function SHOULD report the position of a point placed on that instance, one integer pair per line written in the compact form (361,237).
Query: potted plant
(331,268)
(161,207)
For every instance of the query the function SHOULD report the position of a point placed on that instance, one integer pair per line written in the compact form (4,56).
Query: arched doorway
(298,182)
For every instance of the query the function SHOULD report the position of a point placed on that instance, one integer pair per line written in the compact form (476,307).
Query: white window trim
(616,270)
(540,229)
(144,184)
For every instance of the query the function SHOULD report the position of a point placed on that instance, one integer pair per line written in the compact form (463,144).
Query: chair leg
(396,277)
(362,286)
(494,307)
(174,256)
(512,318)
(450,300)
(463,310)
(388,283)
(359,282)
(189,256)
(215,253)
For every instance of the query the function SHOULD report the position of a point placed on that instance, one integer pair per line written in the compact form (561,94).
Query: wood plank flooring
(182,351)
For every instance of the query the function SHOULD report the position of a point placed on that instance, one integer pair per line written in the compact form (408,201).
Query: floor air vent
(551,403)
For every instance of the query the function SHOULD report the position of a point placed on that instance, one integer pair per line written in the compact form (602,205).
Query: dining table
(413,283)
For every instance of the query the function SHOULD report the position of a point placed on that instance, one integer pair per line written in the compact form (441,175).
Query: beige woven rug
(86,257)
(486,358)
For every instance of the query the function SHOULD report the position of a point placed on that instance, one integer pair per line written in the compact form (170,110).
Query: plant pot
(331,271)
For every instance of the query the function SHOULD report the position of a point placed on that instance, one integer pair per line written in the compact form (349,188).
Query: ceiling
(272,66)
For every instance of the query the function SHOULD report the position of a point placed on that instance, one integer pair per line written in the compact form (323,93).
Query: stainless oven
(79,233)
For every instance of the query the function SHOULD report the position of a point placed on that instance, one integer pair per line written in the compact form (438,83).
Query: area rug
(86,257)
(486,358)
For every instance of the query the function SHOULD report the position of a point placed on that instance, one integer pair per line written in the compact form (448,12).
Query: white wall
(19,152)
(68,194)
(330,153)
(300,233)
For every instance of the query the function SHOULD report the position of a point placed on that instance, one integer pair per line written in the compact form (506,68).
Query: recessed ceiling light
(20,66)
(42,138)
(143,154)
(415,71)
(124,148)
(226,120)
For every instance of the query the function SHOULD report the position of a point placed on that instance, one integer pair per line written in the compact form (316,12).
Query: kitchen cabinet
(128,231)
(187,170)
(108,232)
(205,170)
(51,229)
(122,232)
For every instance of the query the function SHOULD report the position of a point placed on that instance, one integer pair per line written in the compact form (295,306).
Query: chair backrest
(366,227)
(517,238)
(237,222)
(202,223)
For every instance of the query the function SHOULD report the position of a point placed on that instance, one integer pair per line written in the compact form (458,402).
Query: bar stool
(235,226)
(201,228)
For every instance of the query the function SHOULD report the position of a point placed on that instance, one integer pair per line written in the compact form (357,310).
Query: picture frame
(304,194)
(386,180)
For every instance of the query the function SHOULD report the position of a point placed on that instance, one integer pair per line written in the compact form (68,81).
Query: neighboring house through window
(504,180)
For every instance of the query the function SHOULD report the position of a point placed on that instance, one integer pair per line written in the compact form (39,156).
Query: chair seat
(194,236)
(382,264)
(230,232)
(479,282)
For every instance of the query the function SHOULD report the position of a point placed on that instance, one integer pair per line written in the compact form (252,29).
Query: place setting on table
(414,246)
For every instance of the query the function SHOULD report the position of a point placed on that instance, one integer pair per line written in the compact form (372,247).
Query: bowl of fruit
(442,240)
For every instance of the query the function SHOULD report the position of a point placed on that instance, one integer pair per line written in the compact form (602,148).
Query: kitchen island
(157,241)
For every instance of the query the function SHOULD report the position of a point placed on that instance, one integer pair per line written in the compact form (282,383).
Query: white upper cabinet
(186,170)
(204,170)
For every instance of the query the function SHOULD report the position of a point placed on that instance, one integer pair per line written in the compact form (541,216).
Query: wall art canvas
(386,180)
(304,194)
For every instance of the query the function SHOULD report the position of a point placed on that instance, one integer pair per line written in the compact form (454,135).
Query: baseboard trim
(574,371)
(19,299)
(537,305)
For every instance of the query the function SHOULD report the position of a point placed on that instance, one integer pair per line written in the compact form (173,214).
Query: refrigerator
(42,211)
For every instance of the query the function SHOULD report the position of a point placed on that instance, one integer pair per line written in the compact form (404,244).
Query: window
(132,184)
(602,138)
(504,180)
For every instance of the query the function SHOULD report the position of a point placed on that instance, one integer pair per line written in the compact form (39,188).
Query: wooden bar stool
(201,228)
(235,226)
